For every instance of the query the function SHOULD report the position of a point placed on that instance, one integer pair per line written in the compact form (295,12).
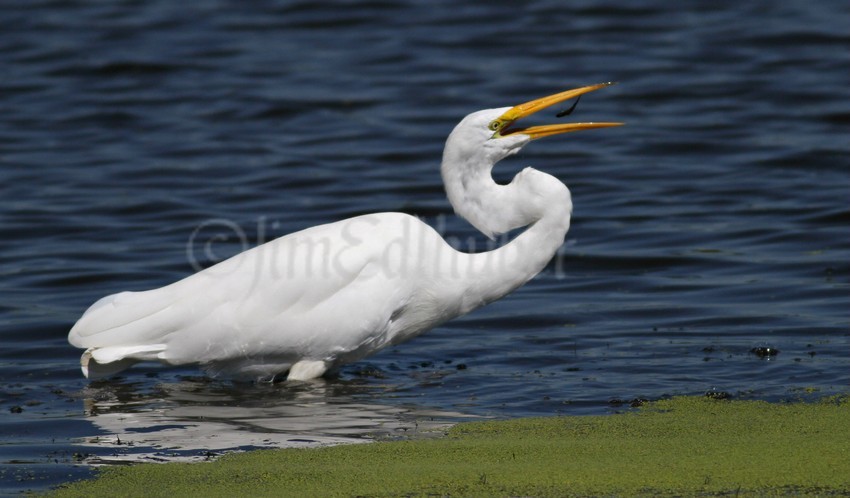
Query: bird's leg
(307,369)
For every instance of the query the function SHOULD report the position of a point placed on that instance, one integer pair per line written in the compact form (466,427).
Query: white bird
(332,294)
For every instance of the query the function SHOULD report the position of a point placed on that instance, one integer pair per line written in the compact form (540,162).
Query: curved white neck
(532,198)
(467,175)
(490,275)
(488,206)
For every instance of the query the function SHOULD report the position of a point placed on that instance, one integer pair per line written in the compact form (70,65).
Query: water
(140,139)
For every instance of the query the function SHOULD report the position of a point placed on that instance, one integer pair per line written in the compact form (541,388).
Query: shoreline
(681,446)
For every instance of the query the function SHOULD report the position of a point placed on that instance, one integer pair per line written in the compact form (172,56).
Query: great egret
(335,293)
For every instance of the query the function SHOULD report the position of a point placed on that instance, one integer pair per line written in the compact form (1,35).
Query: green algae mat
(683,446)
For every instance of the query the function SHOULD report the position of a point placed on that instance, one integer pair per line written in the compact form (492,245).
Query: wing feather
(313,294)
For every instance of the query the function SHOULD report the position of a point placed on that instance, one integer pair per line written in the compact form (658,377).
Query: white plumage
(335,293)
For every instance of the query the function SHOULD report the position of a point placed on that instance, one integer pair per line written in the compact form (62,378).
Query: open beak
(502,125)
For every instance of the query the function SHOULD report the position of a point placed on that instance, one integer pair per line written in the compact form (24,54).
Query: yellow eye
(494,125)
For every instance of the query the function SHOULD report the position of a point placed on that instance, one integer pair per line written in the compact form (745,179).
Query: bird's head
(492,133)
(484,138)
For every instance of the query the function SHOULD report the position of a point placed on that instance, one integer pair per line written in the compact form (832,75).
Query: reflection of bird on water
(335,293)
(188,419)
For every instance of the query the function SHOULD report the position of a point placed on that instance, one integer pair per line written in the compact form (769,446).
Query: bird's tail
(97,363)
(123,329)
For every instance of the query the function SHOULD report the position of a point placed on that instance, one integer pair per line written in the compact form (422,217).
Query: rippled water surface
(139,140)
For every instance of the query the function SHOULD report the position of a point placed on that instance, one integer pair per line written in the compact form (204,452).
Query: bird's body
(335,293)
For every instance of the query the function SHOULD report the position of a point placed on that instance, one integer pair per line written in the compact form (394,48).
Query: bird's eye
(494,125)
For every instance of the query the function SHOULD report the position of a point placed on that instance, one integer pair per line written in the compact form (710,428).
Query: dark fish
(570,110)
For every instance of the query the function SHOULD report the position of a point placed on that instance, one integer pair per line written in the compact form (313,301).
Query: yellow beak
(501,126)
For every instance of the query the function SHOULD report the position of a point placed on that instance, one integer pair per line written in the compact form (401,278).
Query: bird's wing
(329,288)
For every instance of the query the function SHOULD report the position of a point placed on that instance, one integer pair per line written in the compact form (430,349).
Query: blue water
(140,140)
